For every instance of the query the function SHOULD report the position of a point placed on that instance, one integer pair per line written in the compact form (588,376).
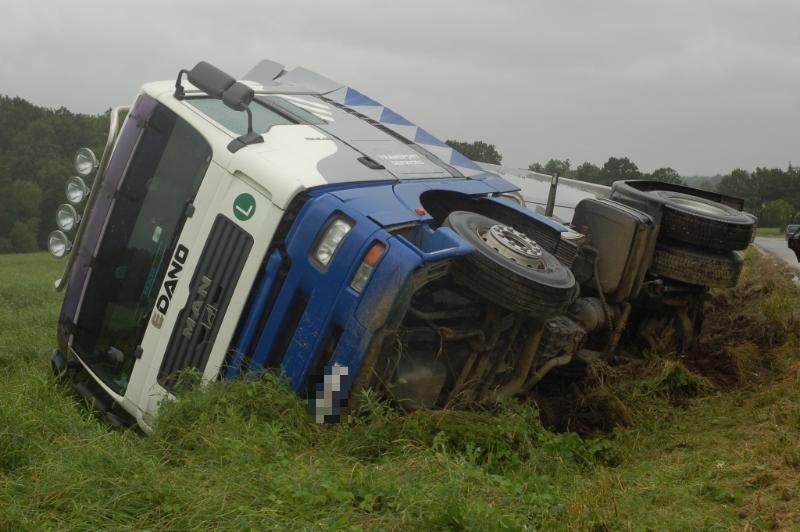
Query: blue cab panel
(303,318)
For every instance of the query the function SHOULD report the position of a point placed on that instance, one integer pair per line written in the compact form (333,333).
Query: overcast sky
(702,86)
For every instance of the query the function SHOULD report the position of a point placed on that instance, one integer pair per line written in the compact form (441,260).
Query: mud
(745,324)
(584,407)
(742,330)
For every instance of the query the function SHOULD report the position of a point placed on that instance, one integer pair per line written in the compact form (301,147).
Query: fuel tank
(625,240)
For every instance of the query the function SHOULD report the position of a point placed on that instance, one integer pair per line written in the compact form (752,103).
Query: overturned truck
(290,223)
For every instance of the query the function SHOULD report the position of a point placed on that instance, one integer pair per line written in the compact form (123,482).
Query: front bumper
(85,387)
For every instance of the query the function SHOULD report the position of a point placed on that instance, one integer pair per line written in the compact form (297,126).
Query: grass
(770,231)
(702,449)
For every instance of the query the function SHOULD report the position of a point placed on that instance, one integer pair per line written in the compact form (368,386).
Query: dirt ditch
(747,334)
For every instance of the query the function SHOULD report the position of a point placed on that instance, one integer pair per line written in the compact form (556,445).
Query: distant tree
(708,183)
(738,182)
(477,151)
(776,213)
(556,166)
(23,236)
(553,166)
(36,150)
(667,175)
(587,172)
(616,169)
(19,202)
(761,188)
(774,183)
(19,214)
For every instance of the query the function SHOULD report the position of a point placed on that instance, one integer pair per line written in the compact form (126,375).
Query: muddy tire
(697,267)
(509,268)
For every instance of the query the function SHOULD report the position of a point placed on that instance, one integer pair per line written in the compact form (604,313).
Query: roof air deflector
(265,72)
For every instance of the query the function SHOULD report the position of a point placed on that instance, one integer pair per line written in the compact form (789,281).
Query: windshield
(148,214)
(267,110)
(236,121)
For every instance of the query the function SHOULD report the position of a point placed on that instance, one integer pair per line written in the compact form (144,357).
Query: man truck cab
(290,223)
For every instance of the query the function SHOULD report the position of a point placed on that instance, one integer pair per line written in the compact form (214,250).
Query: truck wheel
(705,223)
(697,267)
(690,218)
(509,268)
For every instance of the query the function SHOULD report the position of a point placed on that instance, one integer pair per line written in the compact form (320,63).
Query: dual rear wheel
(698,239)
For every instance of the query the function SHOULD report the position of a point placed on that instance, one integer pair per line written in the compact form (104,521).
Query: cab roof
(355,139)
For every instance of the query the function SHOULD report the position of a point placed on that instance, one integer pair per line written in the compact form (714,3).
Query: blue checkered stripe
(368,107)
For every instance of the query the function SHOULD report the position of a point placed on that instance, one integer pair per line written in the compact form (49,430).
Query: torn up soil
(745,327)
(748,338)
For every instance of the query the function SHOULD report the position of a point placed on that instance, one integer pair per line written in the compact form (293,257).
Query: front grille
(566,251)
(211,289)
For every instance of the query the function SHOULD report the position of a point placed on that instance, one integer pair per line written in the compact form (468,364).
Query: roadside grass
(769,231)
(711,441)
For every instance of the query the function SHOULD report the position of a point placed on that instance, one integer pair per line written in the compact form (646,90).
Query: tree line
(37,146)
(614,169)
(772,194)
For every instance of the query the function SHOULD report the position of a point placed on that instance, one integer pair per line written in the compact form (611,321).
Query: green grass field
(711,442)
(770,231)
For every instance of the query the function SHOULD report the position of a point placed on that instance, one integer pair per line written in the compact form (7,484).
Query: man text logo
(168,288)
(209,313)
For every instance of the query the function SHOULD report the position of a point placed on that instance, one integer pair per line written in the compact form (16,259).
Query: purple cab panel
(96,221)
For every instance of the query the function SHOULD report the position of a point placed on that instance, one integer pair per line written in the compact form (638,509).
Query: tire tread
(697,267)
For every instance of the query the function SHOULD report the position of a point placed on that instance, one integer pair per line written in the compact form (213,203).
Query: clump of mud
(589,405)
(744,326)
(607,397)
(745,335)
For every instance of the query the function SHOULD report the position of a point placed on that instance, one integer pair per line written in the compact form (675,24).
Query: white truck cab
(290,223)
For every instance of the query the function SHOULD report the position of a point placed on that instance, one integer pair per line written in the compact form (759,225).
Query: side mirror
(238,96)
(207,78)
(221,86)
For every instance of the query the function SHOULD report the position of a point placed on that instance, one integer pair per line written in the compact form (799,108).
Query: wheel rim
(698,206)
(514,245)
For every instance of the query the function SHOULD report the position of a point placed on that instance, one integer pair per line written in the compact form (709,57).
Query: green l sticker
(244,206)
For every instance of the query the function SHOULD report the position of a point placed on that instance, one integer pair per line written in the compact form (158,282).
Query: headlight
(58,244)
(331,240)
(85,162)
(76,190)
(66,217)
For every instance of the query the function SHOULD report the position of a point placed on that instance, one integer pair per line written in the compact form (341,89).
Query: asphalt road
(777,246)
